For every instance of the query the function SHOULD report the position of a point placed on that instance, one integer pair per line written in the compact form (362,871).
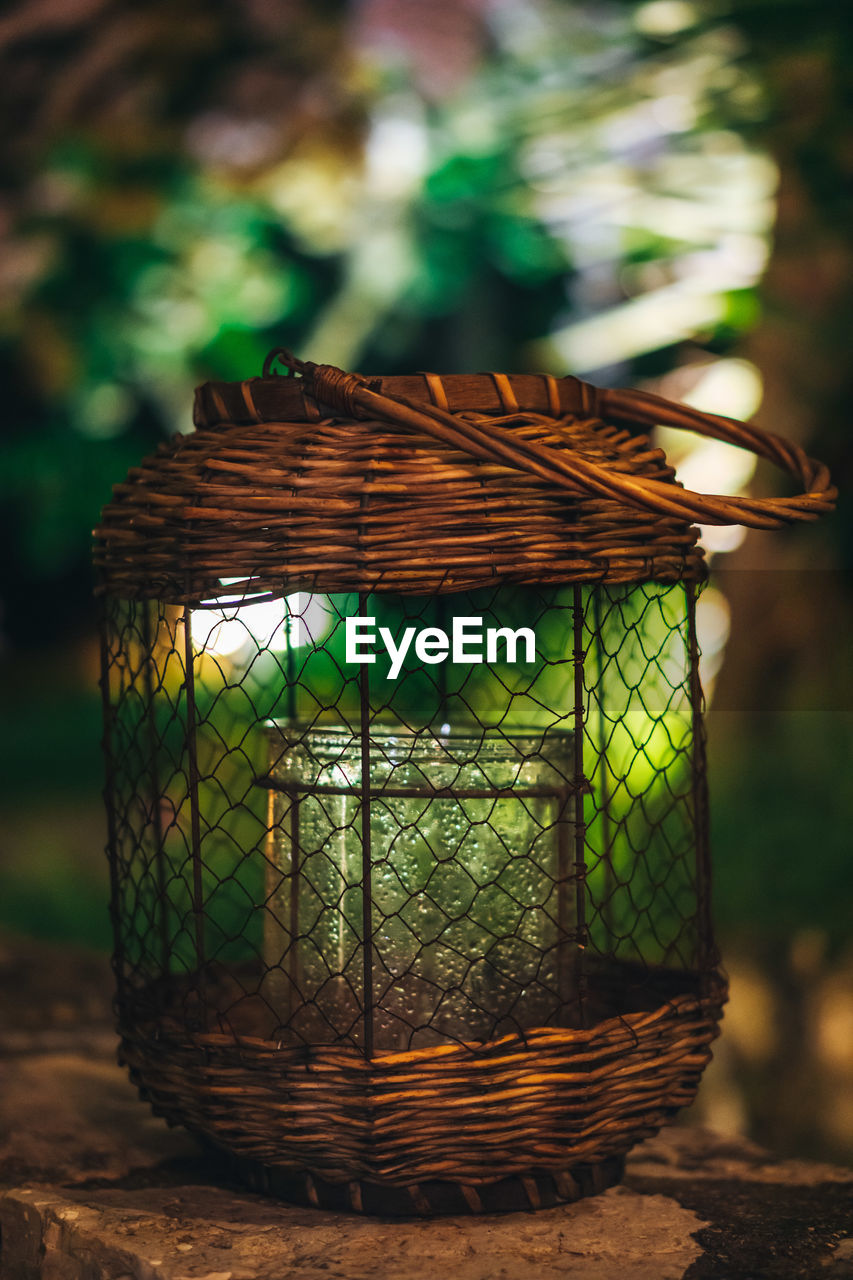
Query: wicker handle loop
(494,442)
(819,493)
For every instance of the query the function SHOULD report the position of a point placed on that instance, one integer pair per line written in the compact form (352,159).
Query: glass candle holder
(418,884)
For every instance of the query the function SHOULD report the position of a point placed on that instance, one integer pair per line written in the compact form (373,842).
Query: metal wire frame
(438,930)
(182,781)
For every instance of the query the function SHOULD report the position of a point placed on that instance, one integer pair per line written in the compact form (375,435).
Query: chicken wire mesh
(442,846)
(408,820)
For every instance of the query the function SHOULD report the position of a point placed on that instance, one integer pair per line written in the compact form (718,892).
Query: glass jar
(465,841)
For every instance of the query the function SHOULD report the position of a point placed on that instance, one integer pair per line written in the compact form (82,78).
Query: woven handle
(360,397)
(817,498)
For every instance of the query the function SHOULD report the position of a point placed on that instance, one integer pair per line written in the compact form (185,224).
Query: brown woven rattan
(423,483)
(330,482)
(401,1128)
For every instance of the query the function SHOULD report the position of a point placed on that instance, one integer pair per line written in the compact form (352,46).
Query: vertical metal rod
(580,789)
(156,815)
(192,757)
(606,833)
(295,872)
(441,621)
(109,801)
(366,857)
(563,877)
(289,672)
(707,955)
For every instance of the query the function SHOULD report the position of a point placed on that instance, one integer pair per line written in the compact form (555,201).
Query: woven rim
(333,482)
(333,503)
(518,1193)
(544,1102)
(361,397)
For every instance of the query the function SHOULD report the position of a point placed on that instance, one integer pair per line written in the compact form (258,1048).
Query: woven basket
(418,484)
(426,1131)
(330,482)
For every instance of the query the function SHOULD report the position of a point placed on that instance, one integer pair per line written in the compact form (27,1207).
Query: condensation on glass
(466,841)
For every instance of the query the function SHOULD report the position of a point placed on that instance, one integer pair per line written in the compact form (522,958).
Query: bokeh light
(228,628)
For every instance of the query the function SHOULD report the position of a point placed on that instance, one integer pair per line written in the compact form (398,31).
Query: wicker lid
(332,482)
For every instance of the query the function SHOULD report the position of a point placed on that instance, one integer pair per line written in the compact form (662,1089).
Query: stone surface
(209,1233)
(93,1187)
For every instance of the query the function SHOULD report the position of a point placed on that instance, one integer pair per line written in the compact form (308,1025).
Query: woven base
(428,1199)
(515,1122)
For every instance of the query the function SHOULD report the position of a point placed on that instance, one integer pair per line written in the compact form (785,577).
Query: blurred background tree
(651,193)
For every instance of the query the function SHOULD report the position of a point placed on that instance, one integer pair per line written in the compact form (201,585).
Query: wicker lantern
(406,782)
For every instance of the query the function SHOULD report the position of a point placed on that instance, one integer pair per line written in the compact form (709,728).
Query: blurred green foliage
(402,230)
(781,823)
(381,210)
